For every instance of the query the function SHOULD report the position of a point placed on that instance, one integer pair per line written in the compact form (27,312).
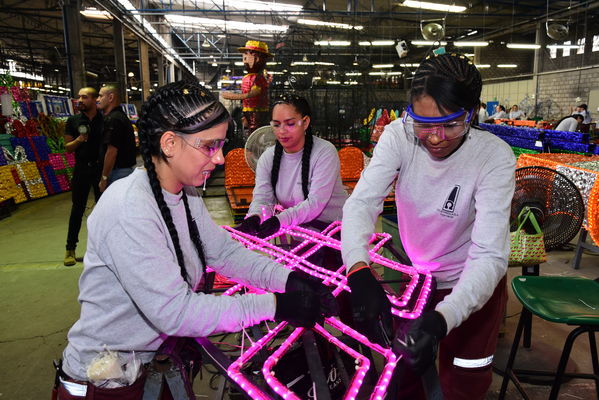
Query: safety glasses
(288,125)
(446,127)
(207,147)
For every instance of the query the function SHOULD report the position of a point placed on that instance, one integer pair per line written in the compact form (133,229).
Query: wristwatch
(104,178)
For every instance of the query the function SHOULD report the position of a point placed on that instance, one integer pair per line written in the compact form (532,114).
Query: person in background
(570,123)
(515,113)
(150,240)
(301,173)
(83,135)
(483,115)
(453,188)
(499,113)
(583,110)
(119,139)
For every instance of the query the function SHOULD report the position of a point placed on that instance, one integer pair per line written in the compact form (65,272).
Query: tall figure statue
(254,86)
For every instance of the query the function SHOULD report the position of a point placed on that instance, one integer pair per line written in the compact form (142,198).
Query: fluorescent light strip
(333,82)
(94,13)
(24,75)
(239,63)
(433,6)
(383,66)
(299,73)
(197,22)
(148,26)
(332,43)
(410,65)
(531,46)
(293,64)
(353,74)
(479,66)
(377,73)
(313,22)
(274,72)
(427,43)
(563,46)
(464,43)
(258,5)
(383,42)
(507,65)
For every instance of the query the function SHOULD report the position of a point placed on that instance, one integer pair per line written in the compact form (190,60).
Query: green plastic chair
(563,300)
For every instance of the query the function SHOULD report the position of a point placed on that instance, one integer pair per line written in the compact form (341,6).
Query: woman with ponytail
(149,242)
(301,173)
(454,186)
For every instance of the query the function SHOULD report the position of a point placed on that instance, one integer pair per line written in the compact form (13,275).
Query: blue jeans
(119,173)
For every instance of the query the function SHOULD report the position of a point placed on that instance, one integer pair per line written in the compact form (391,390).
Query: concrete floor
(38,299)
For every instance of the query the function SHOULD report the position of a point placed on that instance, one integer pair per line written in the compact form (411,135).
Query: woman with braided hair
(149,242)
(453,192)
(301,173)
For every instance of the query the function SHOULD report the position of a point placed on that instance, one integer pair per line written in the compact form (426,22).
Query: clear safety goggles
(446,127)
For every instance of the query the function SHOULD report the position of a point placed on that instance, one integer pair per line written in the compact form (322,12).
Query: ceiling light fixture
(465,43)
(530,46)
(427,43)
(261,5)
(205,44)
(204,23)
(332,43)
(383,42)
(507,65)
(433,6)
(94,13)
(409,65)
(479,66)
(562,46)
(353,73)
(383,66)
(377,73)
(338,25)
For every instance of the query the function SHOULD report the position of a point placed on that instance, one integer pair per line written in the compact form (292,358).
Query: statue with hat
(254,86)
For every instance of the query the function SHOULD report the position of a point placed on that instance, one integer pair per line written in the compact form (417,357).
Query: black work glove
(300,308)
(420,344)
(302,282)
(371,309)
(249,225)
(268,227)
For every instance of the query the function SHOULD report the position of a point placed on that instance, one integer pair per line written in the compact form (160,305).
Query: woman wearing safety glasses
(301,173)
(150,240)
(453,192)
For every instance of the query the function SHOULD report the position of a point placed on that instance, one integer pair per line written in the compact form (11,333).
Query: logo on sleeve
(451,202)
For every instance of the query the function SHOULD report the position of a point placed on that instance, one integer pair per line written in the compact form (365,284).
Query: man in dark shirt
(83,135)
(119,139)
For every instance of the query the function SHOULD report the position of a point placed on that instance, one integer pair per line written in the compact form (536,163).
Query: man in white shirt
(571,123)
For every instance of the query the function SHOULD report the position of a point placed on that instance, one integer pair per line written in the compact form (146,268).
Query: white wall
(509,93)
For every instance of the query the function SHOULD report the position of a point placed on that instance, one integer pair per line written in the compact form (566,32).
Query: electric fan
(261,139)
(557,31)
(555,201)
(433,30)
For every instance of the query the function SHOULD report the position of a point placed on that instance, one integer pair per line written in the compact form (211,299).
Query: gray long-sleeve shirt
(132,293)
(453,214)
(326,194)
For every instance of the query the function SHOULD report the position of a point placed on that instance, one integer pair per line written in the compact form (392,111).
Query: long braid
(451,79)
(195,236)
(159,197)
(306,161)
(276,165)
(185,107)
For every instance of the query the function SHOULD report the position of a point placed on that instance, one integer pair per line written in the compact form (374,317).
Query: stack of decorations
(544,139)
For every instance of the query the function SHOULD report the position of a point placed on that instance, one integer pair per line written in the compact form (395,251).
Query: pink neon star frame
(408,305)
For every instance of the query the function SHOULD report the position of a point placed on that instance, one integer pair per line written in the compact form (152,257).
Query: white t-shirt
(569,124)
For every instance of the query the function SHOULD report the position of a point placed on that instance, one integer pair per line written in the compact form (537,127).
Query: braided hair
(185,107)
(451,79)
(301,106)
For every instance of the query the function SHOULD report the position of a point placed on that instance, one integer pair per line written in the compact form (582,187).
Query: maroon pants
(465,369)
(132,392)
